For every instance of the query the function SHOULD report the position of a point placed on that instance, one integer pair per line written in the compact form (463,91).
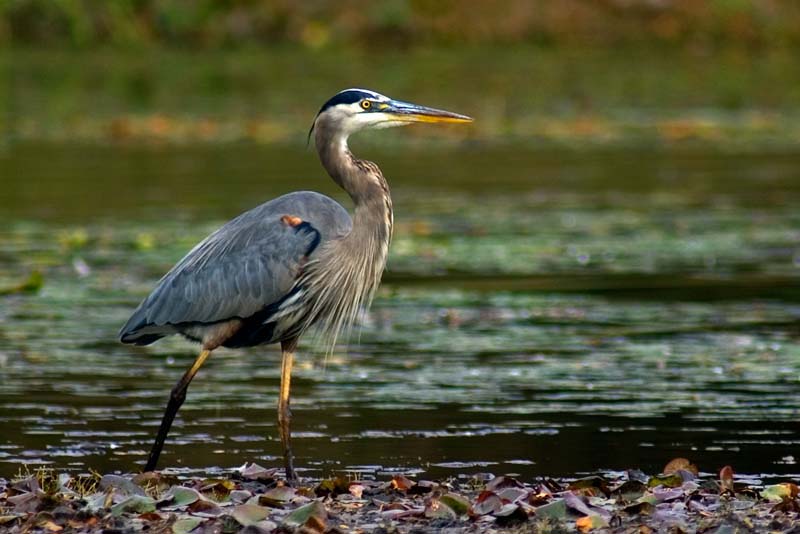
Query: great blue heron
(297,260)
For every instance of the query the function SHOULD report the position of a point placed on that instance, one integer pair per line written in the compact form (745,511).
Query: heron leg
(176,398)
(284,413)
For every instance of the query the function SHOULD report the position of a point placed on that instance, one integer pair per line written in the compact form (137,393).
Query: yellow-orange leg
(284,412)
(176,398)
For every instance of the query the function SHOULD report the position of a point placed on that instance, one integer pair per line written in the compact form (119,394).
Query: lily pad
(591,522)
(779,492)
(125,485)
(457,503)
(249,514)
(436,509)
(135,504)
(312,515)
(487,503)
(668,481)
(277,497)
(181,496)
(186,525)
(554,510)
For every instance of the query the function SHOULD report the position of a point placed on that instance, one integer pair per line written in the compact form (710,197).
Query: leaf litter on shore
(256,500)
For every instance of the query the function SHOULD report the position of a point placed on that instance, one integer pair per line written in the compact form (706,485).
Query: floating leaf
(591,486)
(181,496)
(49,526)
(401,483)
(642,507)
(217,489)
(33,284)
(629,491)
(356,490)
(332,486)
(204,508)
(501,482)
(507,510)
(726,479)
(577,503)
(554,510)
(437,509)
(779,492)
(257,472)
(9,518)
(186,525)
(487,503)
(135,504)
(125,485)
(277,497)
(459,504)
(668,481)
(313,515)
(240,496)
(591,522)
(512,494)
(249,514)
(680,464)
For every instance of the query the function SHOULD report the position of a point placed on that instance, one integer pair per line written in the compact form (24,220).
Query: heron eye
(366,104)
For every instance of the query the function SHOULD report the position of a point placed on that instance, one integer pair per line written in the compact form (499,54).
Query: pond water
(548,313)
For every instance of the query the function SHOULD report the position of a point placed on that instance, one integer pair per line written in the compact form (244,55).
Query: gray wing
(246,265)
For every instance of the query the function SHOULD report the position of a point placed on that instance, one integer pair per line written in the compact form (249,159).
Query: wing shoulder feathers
(241,268)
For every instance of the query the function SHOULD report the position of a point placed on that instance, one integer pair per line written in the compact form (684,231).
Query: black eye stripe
(350,96)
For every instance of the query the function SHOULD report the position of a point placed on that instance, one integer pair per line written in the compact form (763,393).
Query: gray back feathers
(248,264)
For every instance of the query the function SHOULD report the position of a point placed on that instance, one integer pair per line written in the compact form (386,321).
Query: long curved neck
(364,182)
(353,265)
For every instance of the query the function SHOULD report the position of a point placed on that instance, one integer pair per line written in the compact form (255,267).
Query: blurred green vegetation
(573,96)
(578,73)
(214,23)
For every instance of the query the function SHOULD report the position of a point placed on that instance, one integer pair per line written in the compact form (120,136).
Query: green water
(544,313)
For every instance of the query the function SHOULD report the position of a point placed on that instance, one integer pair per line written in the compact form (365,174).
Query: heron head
(357,109)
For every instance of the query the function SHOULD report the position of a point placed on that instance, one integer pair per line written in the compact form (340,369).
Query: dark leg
(176,398)
(284,413)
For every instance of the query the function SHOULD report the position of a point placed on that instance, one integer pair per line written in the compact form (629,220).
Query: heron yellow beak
(407,112)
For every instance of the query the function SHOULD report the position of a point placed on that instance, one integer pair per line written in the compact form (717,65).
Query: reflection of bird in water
(297,260)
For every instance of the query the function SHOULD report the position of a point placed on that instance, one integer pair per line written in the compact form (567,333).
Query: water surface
(544,313)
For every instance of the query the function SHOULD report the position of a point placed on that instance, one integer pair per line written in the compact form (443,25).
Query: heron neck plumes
(351,266)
